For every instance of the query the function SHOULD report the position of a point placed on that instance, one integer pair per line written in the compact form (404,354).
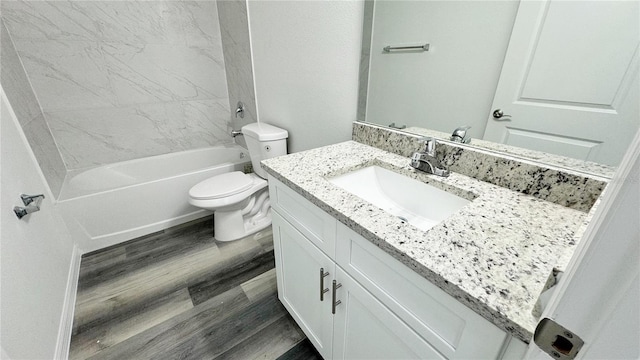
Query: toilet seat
(220,186)
(225,190)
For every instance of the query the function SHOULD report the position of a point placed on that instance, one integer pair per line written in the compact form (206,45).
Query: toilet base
(236,224)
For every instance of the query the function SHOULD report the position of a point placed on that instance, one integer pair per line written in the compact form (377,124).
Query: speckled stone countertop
(494,255)
(585,167)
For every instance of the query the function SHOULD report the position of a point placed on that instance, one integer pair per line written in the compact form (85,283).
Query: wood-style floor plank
(303,350)
(119,295)
(233,276)
(167,338)
(217,338)
(114,331)
(179,294)
(151,250)
(269,343)
(261,285)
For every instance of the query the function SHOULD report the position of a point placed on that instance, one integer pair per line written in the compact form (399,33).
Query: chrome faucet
(460,135)
(426,161)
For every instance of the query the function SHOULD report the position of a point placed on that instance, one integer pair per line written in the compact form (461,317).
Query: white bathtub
(121,201)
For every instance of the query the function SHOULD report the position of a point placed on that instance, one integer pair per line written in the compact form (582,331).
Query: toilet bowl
(240,201)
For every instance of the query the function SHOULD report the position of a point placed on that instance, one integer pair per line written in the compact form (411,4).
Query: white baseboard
(66,319)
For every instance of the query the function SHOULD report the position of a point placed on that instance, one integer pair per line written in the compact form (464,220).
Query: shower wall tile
(138,22)
(119,80)
(237,53)
(201,25)
(15,82)
(156,73)
(67,74)
(46,152)
(43,20)
(18,90)
(91,137)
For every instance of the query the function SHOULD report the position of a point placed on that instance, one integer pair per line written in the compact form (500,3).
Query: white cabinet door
(451,328)
(569,82)
(365,329)
(298,264)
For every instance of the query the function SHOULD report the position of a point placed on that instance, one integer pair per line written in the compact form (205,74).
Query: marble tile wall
(120,80)
(565,187)
(236,43)
(20,94)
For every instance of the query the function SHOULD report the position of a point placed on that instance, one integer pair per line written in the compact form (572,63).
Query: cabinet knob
(335,302)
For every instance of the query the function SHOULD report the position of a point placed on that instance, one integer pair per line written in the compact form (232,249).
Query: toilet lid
(221,185)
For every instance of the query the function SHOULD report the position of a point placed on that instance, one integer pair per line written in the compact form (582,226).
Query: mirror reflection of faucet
(461,135)
(399,127)
(426,160)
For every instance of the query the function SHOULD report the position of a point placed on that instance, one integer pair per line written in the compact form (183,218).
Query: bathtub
(119,202)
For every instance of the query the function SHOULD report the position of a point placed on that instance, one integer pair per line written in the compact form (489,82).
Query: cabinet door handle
(335,303)
(322,289)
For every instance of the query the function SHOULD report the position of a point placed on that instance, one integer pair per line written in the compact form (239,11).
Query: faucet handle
(460,135)
(429,144)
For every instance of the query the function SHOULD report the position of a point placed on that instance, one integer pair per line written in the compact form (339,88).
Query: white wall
(452,84)
(306,59)
(36,256)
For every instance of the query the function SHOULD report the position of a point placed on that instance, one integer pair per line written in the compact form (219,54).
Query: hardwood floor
(178,294)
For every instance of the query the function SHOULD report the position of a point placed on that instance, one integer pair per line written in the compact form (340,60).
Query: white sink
(415,202)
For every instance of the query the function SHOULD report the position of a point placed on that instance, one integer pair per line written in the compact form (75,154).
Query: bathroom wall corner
(236,45)
(20,94)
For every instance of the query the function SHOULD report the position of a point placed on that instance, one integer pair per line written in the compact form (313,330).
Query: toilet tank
(264,142)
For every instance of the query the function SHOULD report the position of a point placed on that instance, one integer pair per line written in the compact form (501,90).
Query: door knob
(497,114)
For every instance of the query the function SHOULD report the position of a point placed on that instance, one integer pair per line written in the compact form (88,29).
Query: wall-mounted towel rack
(390,48)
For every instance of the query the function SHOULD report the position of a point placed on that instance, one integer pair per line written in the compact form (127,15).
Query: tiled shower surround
(20,94)
(119,80)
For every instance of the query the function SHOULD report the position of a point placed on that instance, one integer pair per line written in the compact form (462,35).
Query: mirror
(558,94)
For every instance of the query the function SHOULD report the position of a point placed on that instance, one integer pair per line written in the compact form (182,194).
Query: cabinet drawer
(318,226)
(450,327)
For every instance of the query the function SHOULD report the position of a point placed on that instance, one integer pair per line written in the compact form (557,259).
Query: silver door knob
(497,114)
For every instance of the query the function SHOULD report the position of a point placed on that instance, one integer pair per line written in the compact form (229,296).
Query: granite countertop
(495,255)
(582,166)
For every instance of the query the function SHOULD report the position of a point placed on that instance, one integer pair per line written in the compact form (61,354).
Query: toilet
(240,201)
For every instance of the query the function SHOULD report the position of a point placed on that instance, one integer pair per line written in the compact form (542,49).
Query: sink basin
(415,202)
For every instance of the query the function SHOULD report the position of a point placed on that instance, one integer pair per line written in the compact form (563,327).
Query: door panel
(298,264)
(569,83)
(366,329)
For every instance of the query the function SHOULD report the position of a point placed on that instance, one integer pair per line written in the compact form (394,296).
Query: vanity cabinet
(298,267)
(382,309)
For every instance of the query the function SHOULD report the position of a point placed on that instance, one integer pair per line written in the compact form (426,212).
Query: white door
(599,296)
(365,329)
(569,82)
(298,264)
